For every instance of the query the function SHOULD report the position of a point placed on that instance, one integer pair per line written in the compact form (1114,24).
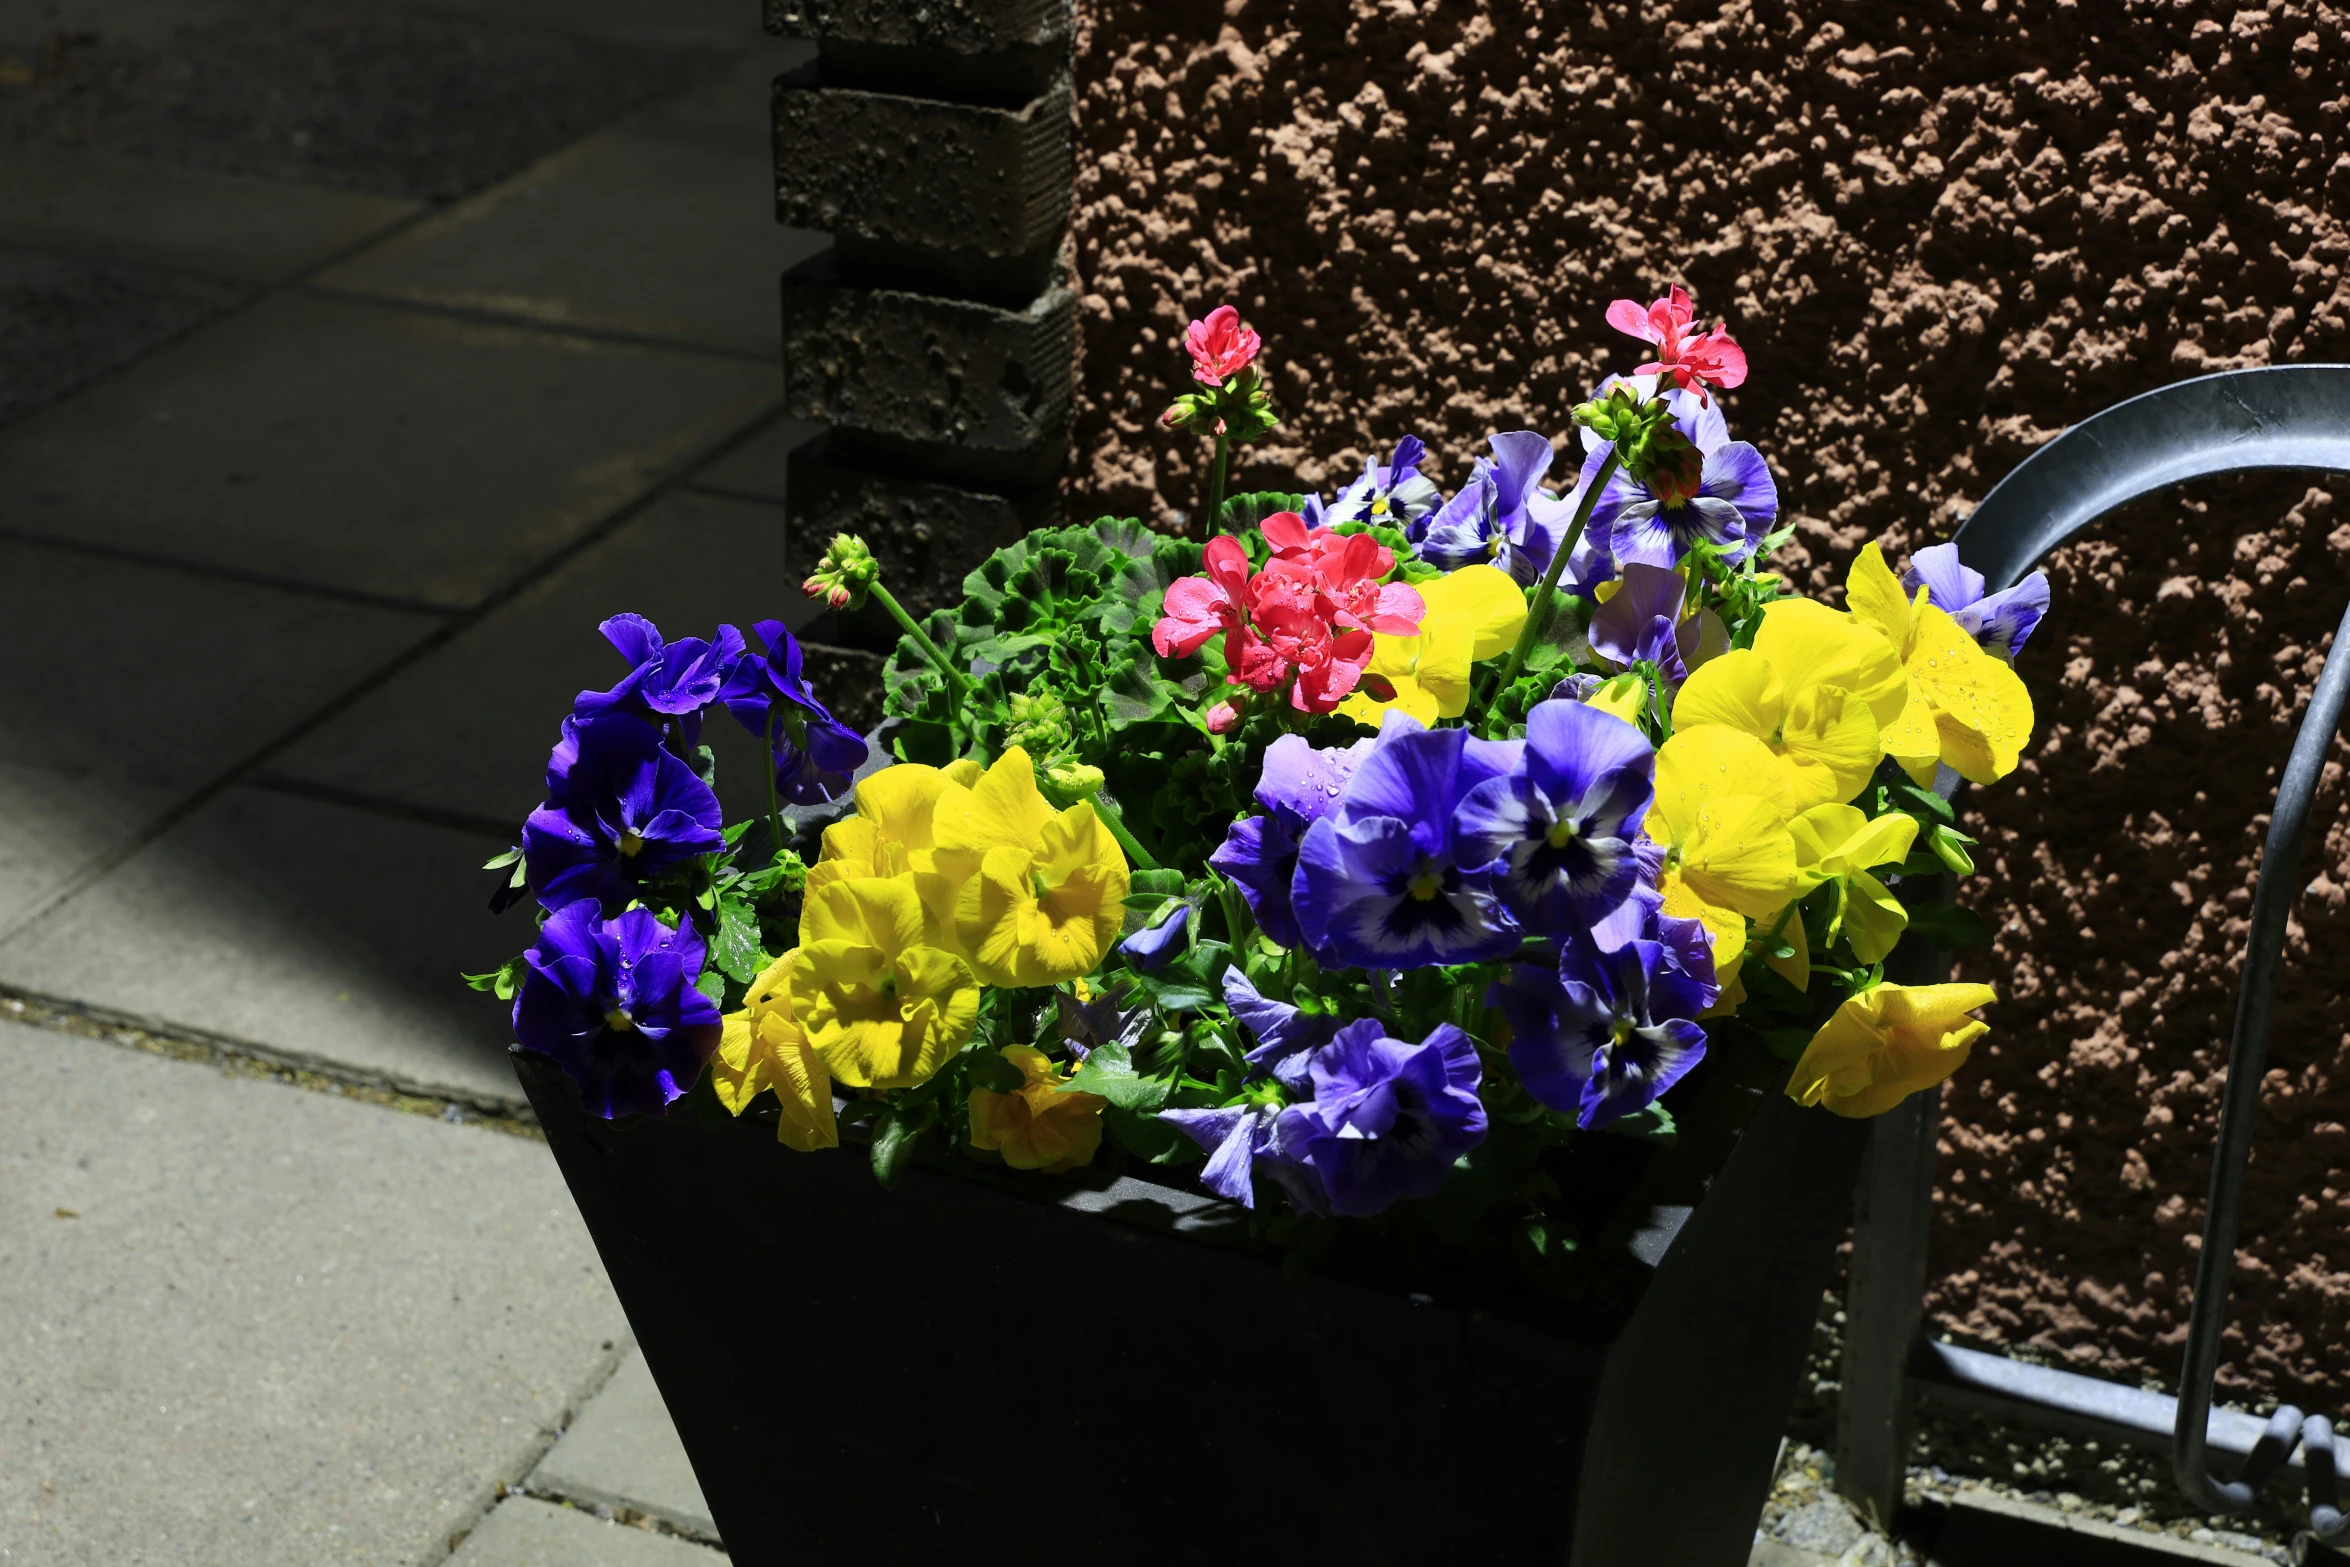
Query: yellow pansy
(1621,696)
(1720,813)
(1843,841)
(1041,895)
(884,1008)
(890,835)
(1887,1043)
(1966,707)
(762,1047)
(1470,614)
(1037,1126)
(1816,687)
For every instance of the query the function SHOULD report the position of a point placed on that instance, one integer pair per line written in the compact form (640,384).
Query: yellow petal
(1796,967)
(1726,927)
(899,802)
(1740,857)
(854,844)
(736,1074)
(1887,1043)
(1041,1125)
(1982,712)
(1812,645)
(1829,745)
(1832,838)
(1875,596)
(1705,762)
(803,1089)
(1003,811)
(1730,975)
(1740,690)
(1480,606)
(1621,696)
(1873,918)
(884,913)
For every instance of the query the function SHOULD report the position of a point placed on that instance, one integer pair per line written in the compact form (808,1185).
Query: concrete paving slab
(758,466)
(623,1452)
(67,320)
(661,227)
(248,1323)
(370,449)
(429,104)
(219,669)
(469,727)
(259,231)
(527,1533)
(308,931)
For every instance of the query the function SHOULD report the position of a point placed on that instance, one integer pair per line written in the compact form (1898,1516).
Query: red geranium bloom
(1690,360)
(1220,346)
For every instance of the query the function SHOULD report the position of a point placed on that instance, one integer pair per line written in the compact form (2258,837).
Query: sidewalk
(354,362)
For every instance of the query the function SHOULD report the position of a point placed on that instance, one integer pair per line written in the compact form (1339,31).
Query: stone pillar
(935,337)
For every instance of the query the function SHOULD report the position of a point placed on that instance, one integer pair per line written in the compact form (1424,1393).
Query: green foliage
(1241,514)
(502,981)
(1949,926)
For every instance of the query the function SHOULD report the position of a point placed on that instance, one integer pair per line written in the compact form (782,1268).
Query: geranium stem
(1538,617)
(1216,481)
(956,680)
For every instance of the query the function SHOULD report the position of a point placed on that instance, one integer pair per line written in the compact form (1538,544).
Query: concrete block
(623,1453)
(652,227)
(948,372)
(251,1323)
(309,932)
(964,26)
(261,231)
(192,675)
(927,535)
(958,176)
(378,450)
(527,1533)
(467,729)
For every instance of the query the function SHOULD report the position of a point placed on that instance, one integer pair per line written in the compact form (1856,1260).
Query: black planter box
(984,1366)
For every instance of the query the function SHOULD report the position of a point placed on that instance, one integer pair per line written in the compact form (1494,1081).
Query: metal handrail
(2278,417)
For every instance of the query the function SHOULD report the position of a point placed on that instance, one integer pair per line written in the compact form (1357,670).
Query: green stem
(1108,813)
(1538,618)
(1216,481)
(774,806)
(1228,898)
(957,681)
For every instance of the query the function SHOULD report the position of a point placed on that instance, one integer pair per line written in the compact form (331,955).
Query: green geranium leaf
(1653,1122)
(1244,513)
(894,1137)
(736,951)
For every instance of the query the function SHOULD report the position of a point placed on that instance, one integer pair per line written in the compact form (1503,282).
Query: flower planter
(981,1364)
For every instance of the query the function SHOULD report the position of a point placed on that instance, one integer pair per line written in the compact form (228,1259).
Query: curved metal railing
(2290,417)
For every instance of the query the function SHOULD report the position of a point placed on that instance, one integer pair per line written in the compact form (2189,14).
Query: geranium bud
(844,575)
(1222,719)
(1670,465)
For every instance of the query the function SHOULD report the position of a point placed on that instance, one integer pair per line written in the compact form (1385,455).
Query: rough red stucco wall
(1944,230)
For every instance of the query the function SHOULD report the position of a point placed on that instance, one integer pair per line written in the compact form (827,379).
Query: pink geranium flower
(1220,346)
(1692,361)
(1198,608)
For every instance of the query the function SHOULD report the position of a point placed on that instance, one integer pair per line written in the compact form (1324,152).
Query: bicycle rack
(2279,417)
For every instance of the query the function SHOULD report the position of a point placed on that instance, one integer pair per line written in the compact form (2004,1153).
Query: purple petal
(1305,782)
(1953,584)
(1647,592)
(633,637)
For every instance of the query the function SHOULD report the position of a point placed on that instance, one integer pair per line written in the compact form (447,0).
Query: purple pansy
(2002,622)
(1297,786)
(1155,945)
(613,1001)
(1242,1140)
(1607,1031)
(1557,832)
(620,808)
(665,679)
(1379,882)
(1641,622)
(1733,506)
(1387,1119)
(1501,516)
(1286,1036)
(814,755)
(1395,494)
(1643,918)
